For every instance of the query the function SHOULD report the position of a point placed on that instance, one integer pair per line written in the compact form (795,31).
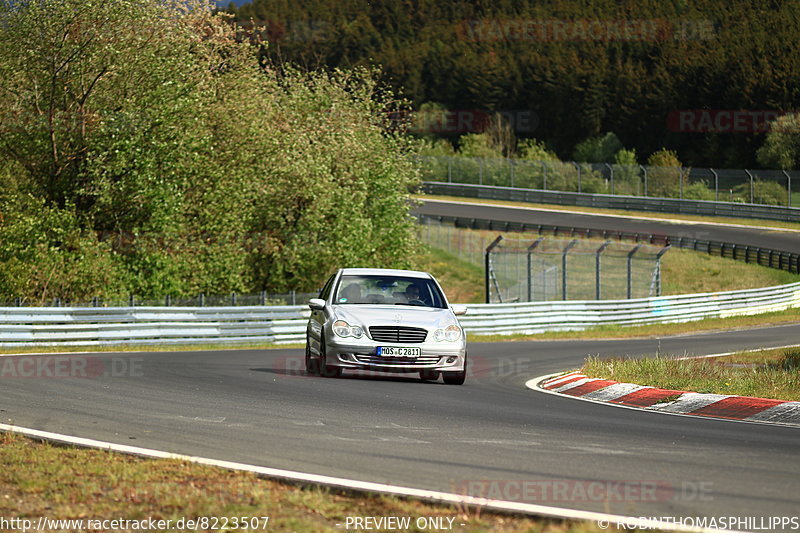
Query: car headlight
(343,329)
(450,334)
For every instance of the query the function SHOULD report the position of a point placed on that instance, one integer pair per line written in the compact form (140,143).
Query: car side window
(326,290)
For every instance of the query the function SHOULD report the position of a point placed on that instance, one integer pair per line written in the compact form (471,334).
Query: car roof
(384,272)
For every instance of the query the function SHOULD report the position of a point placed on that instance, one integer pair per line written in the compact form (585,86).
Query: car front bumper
(361,354)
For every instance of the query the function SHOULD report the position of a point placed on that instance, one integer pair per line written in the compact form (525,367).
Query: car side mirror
(316,304)
(459,309)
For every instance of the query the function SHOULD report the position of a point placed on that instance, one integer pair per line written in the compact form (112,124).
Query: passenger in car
(352,293)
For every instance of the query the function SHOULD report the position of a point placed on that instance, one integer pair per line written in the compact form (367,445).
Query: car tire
(429,375)
(456,378)
(312,365)
(325,369)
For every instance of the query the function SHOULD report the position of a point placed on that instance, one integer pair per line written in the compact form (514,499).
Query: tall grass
(777,375)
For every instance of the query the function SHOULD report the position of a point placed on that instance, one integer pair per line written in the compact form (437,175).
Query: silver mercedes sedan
(388,321)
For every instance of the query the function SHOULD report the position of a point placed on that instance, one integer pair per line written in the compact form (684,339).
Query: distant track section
(768,247)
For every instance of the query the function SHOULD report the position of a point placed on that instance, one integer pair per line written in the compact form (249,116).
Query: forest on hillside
(568,71)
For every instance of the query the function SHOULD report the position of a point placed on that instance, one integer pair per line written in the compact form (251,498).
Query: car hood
(395,315)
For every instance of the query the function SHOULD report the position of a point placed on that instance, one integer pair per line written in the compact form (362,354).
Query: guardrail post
(564,253)
(168,300)
(487,263)
(578,167)
(716,184)
(752,187)
(17,302)
(531,248)
(132,301)
(95,302)
(262,298)
(511,170)
(658,268)
(680,182)
(630,261)
(201,300)
(233,299)
(480,171)
(294,297)
(597,268)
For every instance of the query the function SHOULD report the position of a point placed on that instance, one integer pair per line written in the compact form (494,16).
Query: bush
(664,175)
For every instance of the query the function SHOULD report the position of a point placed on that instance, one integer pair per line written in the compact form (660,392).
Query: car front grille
(378,360)
(399,334)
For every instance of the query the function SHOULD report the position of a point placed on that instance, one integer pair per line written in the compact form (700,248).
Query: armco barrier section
(608,201)
(779,259)
(538,317)
(54,326)
(85,326)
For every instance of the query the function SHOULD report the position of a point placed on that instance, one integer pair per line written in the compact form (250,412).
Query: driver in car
(413,295)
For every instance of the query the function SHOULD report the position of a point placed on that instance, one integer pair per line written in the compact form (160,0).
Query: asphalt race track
(779,240)
(491,434)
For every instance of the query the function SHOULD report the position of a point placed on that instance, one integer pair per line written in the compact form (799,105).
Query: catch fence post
(789,187)
(597,268)
(531,248)
(716,184)
(487,262)
(611,175)
(564,253)
(630,261)
(644,171)
(661,252)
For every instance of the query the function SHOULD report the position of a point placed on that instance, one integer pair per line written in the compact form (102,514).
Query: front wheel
(312,365)
(456,378)
(325,369)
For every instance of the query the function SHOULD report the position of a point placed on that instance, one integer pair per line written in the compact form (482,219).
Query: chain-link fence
(520,270)
(527,267)
(767,187)
(201,300)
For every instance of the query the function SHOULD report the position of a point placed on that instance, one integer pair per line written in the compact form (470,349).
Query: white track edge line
(677,221)
(725,354)
(533,384)
(363,486)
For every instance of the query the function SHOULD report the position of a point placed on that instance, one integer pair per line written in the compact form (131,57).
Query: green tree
(601,149)
(781,148)
(161,158)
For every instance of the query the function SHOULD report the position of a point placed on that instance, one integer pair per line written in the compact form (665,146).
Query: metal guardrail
(538,317)
(50,326)
(769,257)
(608,201)
(65,326)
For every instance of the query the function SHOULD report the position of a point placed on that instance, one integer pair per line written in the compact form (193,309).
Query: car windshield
(388,290)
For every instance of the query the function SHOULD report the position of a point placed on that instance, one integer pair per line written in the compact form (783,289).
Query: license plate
(394,351)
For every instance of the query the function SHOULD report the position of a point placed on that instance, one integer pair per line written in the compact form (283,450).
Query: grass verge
(670,217)
(42,480)
(764,374)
